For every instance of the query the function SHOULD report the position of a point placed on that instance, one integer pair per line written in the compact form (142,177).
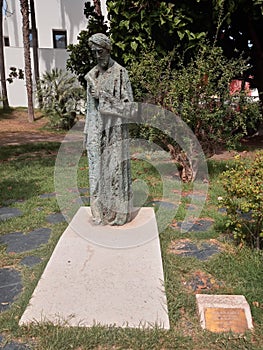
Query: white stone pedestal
(103,275)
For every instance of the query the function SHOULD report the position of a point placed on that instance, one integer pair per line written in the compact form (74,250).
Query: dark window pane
(6,41)
(59,39)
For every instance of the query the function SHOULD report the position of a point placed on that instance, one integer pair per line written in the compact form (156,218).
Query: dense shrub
(63,98)
(243,200)
(199,93)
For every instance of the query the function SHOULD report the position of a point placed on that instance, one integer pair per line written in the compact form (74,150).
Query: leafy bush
(199,93)
(63,98)
(244,200)
(137,25)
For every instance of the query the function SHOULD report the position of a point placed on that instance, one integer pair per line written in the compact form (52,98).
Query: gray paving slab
(103,275)
(14,346)
(30,261)
(202,251)
(10,287)
(56,218)
(201,225)
(8,213)
(164,204)
(18,242)
(47,195)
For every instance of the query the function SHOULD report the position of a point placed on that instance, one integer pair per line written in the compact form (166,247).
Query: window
(6,41)
(30,38)
(31,41)
(59,39)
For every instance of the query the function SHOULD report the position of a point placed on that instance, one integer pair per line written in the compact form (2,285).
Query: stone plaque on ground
(103,275)
(224,313)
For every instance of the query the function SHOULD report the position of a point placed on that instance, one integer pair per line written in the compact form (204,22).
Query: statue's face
(102,55)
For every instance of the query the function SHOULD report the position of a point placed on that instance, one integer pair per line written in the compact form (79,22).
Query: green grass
(28,171)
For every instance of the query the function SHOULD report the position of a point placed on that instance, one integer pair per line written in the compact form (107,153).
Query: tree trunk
(2,62)
(28,72)
(35,49)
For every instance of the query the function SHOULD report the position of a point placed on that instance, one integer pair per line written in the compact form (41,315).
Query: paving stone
(82,200)
(18,242)
(80,190)
(196,196)
(30,261)
(12,201)
(85,200)
(246,216)
(8,213)
(10,287)
(83,190)
(39,209)
(14,346)
(202,281)
(222,210)
(191,207)
(199,226)
(166,205)
(47,195)
(55,218)
(189,249)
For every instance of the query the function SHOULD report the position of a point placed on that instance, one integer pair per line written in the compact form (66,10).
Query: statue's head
(101,46)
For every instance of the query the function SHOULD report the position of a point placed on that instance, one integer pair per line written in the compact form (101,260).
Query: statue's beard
(103,62)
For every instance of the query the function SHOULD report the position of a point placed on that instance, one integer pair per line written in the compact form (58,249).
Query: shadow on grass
(14,151)
(6,114)
(11,189)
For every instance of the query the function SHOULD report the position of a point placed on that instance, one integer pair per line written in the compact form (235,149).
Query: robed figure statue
(109,94)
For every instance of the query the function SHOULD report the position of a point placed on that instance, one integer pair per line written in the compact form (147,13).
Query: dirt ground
(15,129)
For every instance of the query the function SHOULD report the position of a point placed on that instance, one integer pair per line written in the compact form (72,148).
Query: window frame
(59,32)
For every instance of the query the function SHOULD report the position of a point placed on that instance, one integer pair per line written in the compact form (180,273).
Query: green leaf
(134,45)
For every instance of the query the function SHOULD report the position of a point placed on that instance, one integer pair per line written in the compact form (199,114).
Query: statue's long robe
(108,145)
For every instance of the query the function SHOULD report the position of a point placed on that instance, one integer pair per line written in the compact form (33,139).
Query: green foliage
(244,200)
(62,98)
(199,93)
(80,59)
(138,25)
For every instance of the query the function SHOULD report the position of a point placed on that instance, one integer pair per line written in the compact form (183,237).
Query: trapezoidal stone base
(103,275)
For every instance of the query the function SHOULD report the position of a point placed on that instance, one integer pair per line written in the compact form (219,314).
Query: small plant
(243,200)
(63,98)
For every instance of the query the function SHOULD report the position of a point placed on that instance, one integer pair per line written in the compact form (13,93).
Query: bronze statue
(109,93)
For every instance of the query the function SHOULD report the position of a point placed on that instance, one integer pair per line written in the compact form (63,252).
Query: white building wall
(50,14)
(14,56)
(60,15)
(13,23)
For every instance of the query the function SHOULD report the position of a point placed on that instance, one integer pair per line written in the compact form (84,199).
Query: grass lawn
(27,172)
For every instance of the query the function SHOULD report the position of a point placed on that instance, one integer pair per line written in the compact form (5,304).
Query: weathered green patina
(109,94)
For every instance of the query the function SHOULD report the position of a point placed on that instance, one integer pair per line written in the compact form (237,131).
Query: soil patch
(15,129)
